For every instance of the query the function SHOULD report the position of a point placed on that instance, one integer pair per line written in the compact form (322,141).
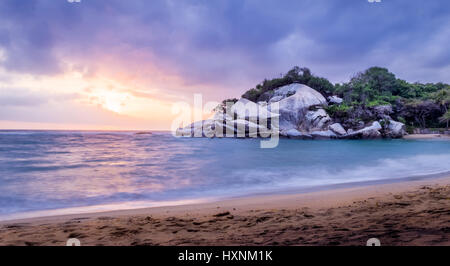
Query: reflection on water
(41,170)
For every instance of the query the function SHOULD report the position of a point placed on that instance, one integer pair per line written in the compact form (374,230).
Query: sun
(113,101)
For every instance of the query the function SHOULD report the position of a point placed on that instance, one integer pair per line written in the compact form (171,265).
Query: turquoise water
(42,171)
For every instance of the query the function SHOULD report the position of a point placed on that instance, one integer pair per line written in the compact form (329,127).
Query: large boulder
(288,90)
(382,111)
(316,120)
(370,132)
(262,103)
(327,134)
(338,129)
(245,109)
(246,128)
(215,128)
(275,99)
(280,93)
(293,109)
(394,129)
(295,134)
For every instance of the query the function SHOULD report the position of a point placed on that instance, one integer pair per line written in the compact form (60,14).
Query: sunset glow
(76,65)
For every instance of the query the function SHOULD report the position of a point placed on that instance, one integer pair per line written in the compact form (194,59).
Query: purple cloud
(233,44)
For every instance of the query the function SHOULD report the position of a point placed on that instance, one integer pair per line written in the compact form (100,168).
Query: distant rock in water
(302,115)
(143,133)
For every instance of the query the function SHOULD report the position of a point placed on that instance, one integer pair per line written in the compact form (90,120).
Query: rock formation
(300,113)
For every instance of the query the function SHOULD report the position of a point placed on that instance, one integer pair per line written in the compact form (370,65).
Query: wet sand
(407,213)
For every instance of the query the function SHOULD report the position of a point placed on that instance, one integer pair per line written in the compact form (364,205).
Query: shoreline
(201,203)
(427,136)
(133,205)
(261,220)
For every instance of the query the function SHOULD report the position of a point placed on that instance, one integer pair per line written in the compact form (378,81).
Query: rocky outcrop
(370,132)
(295,134)
(241,121)
(215,128)
(276,99)
(262,103)
(382,111)
(245,109)
(338,129)
(293,109)
(280,93)
(393,129)
(328,134)
(301,115)
(316,120)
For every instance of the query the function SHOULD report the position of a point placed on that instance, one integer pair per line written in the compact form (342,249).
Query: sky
(114,64)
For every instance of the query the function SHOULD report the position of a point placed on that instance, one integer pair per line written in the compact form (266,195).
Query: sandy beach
(427,136)
(407,213)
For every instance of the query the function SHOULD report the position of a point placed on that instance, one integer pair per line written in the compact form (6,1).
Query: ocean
(61,172)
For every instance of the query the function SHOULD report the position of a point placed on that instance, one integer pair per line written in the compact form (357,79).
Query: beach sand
(407,213)
(427,136)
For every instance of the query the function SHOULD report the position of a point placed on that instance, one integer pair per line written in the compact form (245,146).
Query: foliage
(422,113)
(445,118)
(231,100)
(415,104)
(401,119)
(295,75)
(338,109)
(376,102)
(223,104)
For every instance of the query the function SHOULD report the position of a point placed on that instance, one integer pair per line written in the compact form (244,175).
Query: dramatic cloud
(170,49)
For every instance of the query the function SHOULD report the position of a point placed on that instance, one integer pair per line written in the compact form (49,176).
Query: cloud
(171,49)
(216,41)
(47,108)
(25,97)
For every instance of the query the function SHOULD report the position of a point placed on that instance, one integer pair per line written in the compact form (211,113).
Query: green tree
(297,74)
(445,118)
(421,111)
(322,85)
(442,97)
(379,79)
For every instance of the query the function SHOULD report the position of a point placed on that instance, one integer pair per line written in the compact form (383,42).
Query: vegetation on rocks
(372,94)
(295,75)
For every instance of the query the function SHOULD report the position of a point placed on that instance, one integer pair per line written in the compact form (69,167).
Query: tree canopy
(295,75)
(417,104)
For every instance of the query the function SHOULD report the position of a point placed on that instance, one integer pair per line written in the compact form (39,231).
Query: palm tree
(443,98)
(445,118)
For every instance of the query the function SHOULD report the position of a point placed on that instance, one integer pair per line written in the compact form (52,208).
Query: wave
(384,169)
